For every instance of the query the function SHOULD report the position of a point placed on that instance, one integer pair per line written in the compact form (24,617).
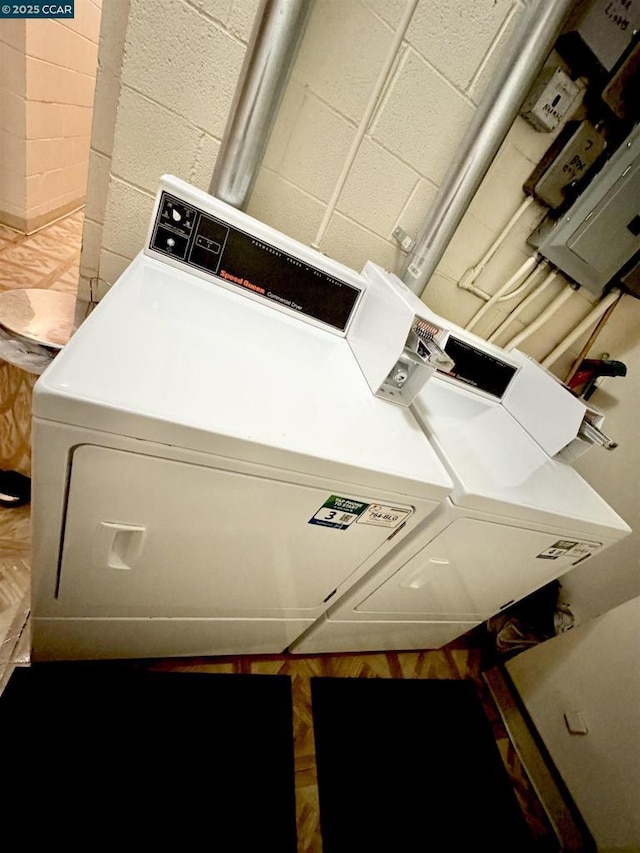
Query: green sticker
(338,512)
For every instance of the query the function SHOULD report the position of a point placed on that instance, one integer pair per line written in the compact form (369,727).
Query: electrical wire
(526,269)
(603,308)
(470,275)
(544,284)
(548,312)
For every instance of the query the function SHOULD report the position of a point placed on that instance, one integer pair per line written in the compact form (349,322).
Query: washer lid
(170,358)
(496,466)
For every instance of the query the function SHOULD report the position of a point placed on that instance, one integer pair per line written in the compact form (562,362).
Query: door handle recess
(119,545)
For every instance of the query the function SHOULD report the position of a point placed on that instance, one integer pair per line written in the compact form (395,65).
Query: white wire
(366,119)
(592,317)
(544,284)
(470,275)
(548,312)
(524,270)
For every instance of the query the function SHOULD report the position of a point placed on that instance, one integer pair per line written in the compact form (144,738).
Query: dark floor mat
(410,765)
(104,756)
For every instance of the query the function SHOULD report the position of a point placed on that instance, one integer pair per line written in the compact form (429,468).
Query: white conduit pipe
(544,284)
(525,270)
(513,293)
(583,326)
(366,119)
(470,275)
(548,312)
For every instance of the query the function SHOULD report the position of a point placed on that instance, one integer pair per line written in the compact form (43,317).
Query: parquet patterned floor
(464,658)
(50,259)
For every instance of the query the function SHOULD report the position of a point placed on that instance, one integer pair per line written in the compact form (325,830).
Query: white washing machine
(517,518)
(210,467)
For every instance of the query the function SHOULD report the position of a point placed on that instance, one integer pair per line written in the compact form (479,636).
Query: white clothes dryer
(515,520)
(210,468)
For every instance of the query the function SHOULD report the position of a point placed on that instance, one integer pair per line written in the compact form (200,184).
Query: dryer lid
(166,357)
(496,466)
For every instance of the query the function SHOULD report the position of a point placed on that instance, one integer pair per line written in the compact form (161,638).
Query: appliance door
(150,536)
(471,570)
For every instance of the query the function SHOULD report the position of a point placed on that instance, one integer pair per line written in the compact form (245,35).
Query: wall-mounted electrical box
(600,30)
(621,92)
(600,232)
(549,99)
(566,163)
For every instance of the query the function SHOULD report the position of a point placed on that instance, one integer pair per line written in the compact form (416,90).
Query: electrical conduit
(277,33)
(470,275)
(544,284)
(540,24)
(526,270)
(548,312)
(374,98)
(592,317)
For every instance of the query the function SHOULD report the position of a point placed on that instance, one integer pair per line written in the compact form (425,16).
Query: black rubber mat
(102,756)
(410,765)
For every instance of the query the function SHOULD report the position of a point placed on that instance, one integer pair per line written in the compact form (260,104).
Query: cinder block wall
(170,88)
(46,86)
(164,90)
(61,61)
(13,84)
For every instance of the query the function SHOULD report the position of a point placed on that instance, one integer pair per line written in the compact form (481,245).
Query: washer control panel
(243,261)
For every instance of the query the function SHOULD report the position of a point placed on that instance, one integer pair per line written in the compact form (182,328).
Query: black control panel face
(479,369)
(209,244)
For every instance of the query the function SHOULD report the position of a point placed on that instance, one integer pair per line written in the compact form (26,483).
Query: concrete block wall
(48,80)
(13,85)
(61,61)
(441,71)
(165,85)
(166,92)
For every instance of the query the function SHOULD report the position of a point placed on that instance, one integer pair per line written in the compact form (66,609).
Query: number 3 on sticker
(326,515)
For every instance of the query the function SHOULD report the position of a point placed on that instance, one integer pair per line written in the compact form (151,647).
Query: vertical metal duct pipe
(539,27)
(275,40)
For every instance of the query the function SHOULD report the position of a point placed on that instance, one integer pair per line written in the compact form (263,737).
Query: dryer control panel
(249,256)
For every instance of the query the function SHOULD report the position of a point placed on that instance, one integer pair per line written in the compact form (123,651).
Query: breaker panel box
(599,234)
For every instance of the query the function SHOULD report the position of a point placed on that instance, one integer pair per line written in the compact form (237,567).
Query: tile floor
(50,259)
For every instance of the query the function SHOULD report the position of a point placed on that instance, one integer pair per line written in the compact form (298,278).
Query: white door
(472,569)
(149,536)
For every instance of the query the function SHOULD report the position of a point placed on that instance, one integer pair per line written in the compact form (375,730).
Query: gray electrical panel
(600,232)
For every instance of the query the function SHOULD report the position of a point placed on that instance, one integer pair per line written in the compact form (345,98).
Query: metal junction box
(602,29)
(600,232)
(566,164)
(549,100)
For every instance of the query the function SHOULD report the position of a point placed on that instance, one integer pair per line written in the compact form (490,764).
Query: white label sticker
(385,516)
(569,548)
(583,550)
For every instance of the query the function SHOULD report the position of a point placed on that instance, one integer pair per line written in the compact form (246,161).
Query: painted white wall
(165,85)
(593,669)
